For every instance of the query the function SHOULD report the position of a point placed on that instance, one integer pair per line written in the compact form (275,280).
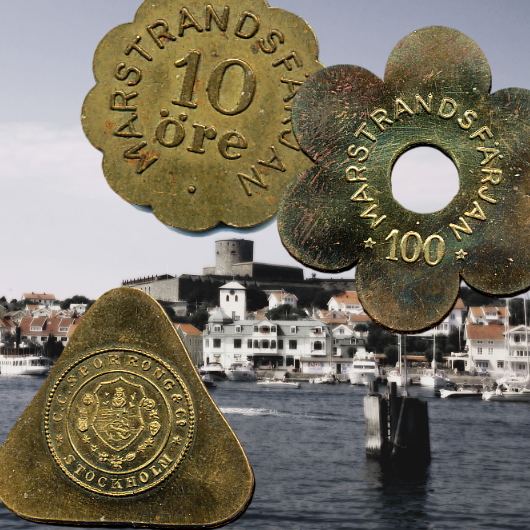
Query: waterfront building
(38,329)
(347,302)
(36,299)
(454,320)
(192,339)
(288,344)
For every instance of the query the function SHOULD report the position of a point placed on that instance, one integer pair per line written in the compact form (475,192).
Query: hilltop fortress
(234,259)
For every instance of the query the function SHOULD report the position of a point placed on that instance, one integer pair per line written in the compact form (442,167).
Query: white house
(278,298)
(347,302)
(488,315)
(454,320)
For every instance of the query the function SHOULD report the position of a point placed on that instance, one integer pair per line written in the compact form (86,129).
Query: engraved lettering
(420,102)
(113,359)
(256,179)
(252,22)
(361,130)
(275,162)
(286,61)
(187,20)
(146,366)
(221,22)
(170,131)
(190,76)
(367,214)
(102,482)
(84,371)
(90,476)
(127,130)
(476,212)
(122,72)
(169,384)
(137,48)
(360,195)
(466,122)
(246,94)
(447,108)
(231,140)
(380,116)
(356,172)
(97,362)
(164,32)
(202,132)
(70,459)
(458,228)
(119,100)
(283,141)
(57,417)
(489,154)
(132,360)
(145,160)
(483,133)
(271,41)
(144,477)
(116,484)
(492,175)
(415,245)
(293,88)
(353,152)
(61,399)
(80,467)
(481,194)
(400,107)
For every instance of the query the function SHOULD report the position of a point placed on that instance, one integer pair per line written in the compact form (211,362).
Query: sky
(66,232)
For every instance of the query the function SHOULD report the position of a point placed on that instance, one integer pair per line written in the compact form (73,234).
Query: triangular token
(123,432)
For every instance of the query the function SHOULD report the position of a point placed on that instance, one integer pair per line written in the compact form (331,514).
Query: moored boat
(24,364)
(328,379)
(207,379)
(216,371)
(461,392)
(364,369)
(241,372)
(278,383)
(512,393)
(434,378)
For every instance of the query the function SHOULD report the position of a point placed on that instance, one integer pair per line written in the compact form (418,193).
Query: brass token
(342,213)
(123,432)
(119,431)
(192,109)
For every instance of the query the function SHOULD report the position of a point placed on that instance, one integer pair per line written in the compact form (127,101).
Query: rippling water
(307,450)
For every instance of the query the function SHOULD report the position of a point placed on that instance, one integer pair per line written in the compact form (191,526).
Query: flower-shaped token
(342,213)
(192,109)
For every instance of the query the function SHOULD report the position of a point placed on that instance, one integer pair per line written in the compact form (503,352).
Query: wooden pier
(397,428)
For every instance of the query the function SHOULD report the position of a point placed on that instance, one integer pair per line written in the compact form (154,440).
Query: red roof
(491,332)
(189,329)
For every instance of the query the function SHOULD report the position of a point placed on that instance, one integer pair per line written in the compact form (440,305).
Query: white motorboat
(434,378)
(31,364)
(328,379)
(512,393)
(241,372)
(216,370)
(460,392)
(364,369)
(398,377)
(278,383)
(207,379)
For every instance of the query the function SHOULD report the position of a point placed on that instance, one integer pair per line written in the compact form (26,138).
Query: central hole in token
(424,180)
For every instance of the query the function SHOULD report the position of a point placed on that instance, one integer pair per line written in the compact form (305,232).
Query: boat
(399,374)
(433,378)
(24,364)
(328,379)
(364,369)
(216,370)
(511,393)
(241,372)
(452,391)
(208,381)
(278,383)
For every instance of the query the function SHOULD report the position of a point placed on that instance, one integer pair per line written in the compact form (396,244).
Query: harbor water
(306,447)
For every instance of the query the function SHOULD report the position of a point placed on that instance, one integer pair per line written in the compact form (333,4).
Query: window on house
(341,331)
(317,345)
(249,343)
(280,344)
(237,343)
(293,329)
(217,329)
(273,329)
(490,351)
(479,351)
(293,344)
(265,344)
(207,343)
(265,329)
(255,329)
(216,343)
(227,298)
(500,364)
(273,344)
(238,329)
(256,344)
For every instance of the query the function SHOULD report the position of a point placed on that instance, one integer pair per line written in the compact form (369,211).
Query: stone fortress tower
(228,252)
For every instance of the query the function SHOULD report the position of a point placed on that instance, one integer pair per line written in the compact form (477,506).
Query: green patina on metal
(341,213)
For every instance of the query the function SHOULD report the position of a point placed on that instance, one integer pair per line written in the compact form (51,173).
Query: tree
(256,298)
(76,299)
(285,312)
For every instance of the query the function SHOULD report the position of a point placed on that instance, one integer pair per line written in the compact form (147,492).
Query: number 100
(412,247)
